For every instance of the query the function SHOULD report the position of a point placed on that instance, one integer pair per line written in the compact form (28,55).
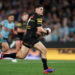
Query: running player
(31,39)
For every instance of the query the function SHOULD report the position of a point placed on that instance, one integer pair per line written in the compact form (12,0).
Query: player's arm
(14,31)
(40,29)
(2,23)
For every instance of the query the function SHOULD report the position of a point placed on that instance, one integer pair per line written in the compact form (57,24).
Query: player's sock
(45,63)
(13,55)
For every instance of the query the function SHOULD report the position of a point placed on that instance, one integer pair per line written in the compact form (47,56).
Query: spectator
(58,15)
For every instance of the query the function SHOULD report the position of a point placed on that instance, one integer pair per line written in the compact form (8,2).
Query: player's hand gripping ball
(48,30)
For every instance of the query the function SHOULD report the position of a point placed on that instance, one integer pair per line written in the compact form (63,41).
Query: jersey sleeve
(31,22)
(39,21)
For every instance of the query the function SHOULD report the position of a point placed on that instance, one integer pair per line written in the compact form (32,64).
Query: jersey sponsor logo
(28,27)
(39,20)
(19,24)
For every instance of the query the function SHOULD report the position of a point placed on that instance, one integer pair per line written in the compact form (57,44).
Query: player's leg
(43,51)
(20,54)
(18,45)
(10,51)
(39,46)
(5,46)
(4,55)
(23,52)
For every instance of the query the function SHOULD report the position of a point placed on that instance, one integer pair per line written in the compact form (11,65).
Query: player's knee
(20,56)
(5,48)
(18,45)
(44,50)
(5,45)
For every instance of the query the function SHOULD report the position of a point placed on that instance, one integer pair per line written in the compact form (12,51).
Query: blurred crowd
(59,16)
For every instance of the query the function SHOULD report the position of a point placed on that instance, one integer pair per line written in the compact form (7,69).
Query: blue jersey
(8,26)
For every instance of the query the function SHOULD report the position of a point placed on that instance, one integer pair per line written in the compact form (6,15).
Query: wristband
(47,32)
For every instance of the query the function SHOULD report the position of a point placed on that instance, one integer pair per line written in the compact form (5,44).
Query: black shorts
(30,42)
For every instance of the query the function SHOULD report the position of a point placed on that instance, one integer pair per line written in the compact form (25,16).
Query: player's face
(25,17)
(40,10)
(11,18)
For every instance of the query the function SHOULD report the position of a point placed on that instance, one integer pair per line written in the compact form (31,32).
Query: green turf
(34,67)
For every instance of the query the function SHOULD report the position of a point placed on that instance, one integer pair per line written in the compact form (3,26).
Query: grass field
(34,67)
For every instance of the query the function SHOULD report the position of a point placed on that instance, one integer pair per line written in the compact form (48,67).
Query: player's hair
(39,5)
(24,13)
(10,15)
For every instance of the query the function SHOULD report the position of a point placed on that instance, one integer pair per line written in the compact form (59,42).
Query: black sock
(13,55)
(45,63)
